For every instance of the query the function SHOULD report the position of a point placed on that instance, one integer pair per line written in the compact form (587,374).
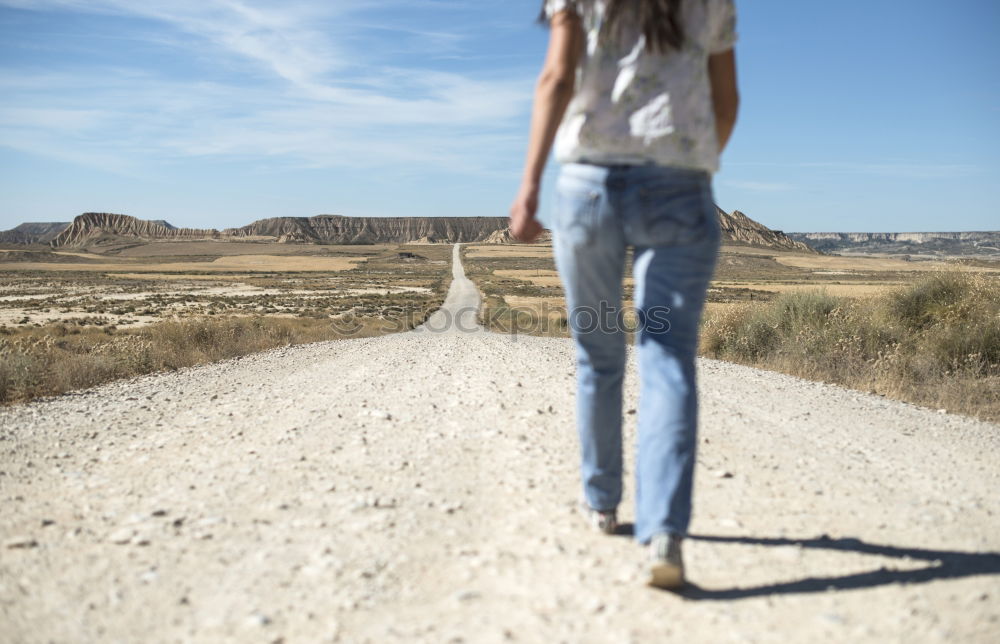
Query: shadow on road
(941,564)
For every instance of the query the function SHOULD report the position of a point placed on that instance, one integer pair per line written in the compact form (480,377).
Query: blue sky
(877,115)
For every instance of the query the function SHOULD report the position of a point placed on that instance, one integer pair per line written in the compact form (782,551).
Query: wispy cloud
(313,98)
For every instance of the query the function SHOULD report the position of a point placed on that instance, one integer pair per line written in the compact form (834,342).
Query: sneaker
(605,521)
(666,567)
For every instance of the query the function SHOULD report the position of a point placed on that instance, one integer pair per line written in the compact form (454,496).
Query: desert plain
(421,486)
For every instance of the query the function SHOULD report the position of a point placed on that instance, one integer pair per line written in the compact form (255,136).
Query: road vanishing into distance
(422,487)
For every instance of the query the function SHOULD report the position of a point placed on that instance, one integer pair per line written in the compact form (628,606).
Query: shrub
(54,359)
(935,342)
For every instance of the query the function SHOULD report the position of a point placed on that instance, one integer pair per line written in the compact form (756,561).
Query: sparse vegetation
(931,338)
(52,359)
(497,315)
(927,337)
(934,343)
(62,329)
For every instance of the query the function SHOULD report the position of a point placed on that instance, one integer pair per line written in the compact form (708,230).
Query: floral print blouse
(637,106)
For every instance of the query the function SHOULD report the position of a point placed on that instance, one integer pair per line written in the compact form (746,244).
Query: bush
(935,343)
(55,359)
(929,300)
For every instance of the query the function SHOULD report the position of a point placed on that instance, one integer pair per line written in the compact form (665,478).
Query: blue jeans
(668,216)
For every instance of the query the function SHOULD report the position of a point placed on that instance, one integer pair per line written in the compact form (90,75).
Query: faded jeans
(668,216)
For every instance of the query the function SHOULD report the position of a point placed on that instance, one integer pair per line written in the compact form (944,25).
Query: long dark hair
(659,20)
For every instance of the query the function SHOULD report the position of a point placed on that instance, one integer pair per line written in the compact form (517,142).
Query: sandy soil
(421,488)
(184,277)
(540,277)
(14,315)
(509,250)
(862,263)
(550,305)
(168,249)
(536,277)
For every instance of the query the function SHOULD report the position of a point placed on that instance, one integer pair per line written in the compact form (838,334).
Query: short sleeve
(552,7)
(723,27)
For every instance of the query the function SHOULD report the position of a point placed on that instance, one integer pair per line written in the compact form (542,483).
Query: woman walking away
(643,94)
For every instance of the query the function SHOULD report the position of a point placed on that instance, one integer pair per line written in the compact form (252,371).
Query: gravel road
(422,487)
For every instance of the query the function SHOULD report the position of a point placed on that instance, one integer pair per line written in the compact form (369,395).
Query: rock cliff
(336,229)
(95,228)
(505,237)
(737,227)
(974,243)
(33,232)
(103,229)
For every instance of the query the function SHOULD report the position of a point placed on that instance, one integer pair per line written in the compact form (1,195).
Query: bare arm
(553,93)
(725,94)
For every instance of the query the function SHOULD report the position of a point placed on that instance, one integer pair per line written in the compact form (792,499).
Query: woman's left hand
(523,225)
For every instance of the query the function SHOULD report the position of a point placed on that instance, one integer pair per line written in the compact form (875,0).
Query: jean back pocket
(676,216)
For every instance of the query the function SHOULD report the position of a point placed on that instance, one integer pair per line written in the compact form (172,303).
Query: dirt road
(421,487)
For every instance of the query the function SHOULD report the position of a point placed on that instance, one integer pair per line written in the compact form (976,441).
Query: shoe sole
(665,575)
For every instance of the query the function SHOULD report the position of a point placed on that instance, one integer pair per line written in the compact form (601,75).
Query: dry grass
(182,276)
(283,263)
(222,248)
(57,358)
(741,249)
(76,328)
(540,277)
(715,308)
(552,305)
(908,330)
(935,343)
(504,250)
(534,318)
(841,290)
(379,277)
(878,264)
